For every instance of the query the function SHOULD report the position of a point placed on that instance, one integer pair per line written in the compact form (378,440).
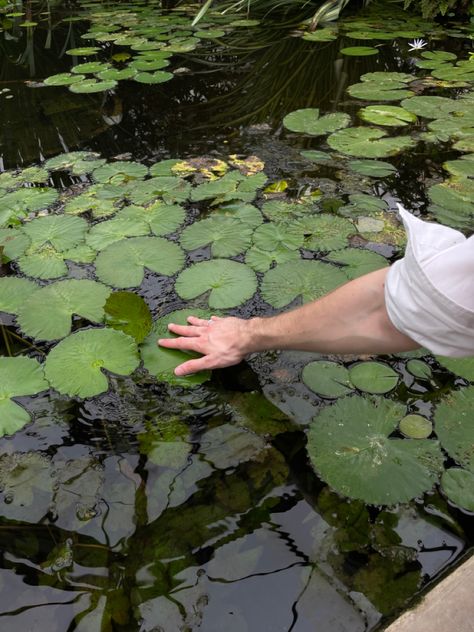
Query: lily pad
(83,51)
(230,283)
(14,291)
(122,263)
(327,34)
(464,367)
(161,218)
(129,313)
(362,204)
(430,107)
(373,377)
(106,233)
(160,76)
(114,74)
(304,279)
(160,361)
(454,428)
(75,366)
(419,369)
(389,115)
(359,51)
(62,162)
(372,168)
(308,121)
(382,86)
(415,427)
(368,142)
(274,236)
(350,448)
(245,213)
(226,236)
(458,485)
(59,231)
(47,313)
(18,377)
(63,79)
(89,86)
(357,262)
(29,199)
(120,172)
(328,379)
(322,232)
(454,202)
(90,67)
(262,260)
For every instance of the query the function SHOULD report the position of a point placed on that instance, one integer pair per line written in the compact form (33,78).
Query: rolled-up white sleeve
(429,294)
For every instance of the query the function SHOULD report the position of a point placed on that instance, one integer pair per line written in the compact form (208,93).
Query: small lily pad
(328,379)
(90,67)
(389,115)
(372,168)
(359,51)
(75,366)
(89,86)
(415,427)
(308,121)
(160,361)
(230,283)
(419,369)
(63,79)
(368,142)
(83,51)
(160,76)
(373,377)
(357,262)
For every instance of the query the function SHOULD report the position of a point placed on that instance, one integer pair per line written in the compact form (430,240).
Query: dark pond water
(154,508)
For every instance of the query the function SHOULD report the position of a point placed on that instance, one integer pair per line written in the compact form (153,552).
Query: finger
(200,322)
(192,366)
(184,344)
(183,330)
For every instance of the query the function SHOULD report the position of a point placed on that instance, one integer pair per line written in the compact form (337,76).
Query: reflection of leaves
(227,446)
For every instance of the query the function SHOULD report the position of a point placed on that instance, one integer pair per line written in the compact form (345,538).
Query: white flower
(417,44)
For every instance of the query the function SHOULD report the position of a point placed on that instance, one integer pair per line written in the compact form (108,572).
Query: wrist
(253,335)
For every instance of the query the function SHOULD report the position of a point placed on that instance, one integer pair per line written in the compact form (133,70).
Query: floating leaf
(19,203)
(327,34)
(63,79)
(14,291)
(18,377)
(368,142)
(160,76)
(372,168)
(122,263)
(75,366)
(90,67)
(88,203)
(463,168)
(308,121)
(47,313)
(160,361)
(149,65)
(328,379)
(119,172)
(429,106)
(59,231)
(323,232)
(415,427)
(454,428)
(350,448)
(226,235)
(381,86)
(68,160)
(88,86)
(454,202)
(106,233)
(43,262)
(458,485)
(276,236)
(230,283)
(362,204)
(245,213)
(114,74)
(161,218)
(261,260)
(305,279)
(357,262)
(359,51)
(171,190)
(419,369)
(390,115)
(464,367)
(373,377)
(83,51)
(129,313)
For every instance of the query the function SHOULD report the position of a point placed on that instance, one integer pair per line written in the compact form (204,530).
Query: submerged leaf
(128,312)
(350,448)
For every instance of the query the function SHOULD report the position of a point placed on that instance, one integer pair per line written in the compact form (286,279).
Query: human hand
(221,341)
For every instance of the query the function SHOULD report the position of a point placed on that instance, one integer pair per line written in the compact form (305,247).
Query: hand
(221,341)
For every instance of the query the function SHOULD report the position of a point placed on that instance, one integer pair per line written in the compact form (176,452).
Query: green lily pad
(316,156)
(47,313)
(160,361)
(357,262)
(463,168)
(454,202)
(122,263)
(382,86)
(14,291)
(454,428)
(362,204)
(106,233)
(226,235)
(430,107)
(119,172)
(262,260)
(464,367)
(328,379)
(245,213)
(62,162)
(129,313)
(438,55)
(458,485)
(83,51)
(13,242)
(58,231)
(359,51)
(114,74)
(373,377)
(350,448)
(308,121)
(372,168)
(415,427)
(85,203)
(18,377)
(170,190)
(389,115)
(217,188)
(210,34)
(300,279)
(75,366)
(159,76)
(368,142)
(89,86)
(30,199)
(274,236)
(327,34)
(230,283)
(419,369)
(148,65)
(322,232)
(161,218)
(90,67)
(63,79)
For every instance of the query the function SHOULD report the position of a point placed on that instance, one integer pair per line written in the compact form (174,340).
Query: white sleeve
(429,294)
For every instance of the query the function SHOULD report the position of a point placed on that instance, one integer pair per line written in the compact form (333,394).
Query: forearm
(351,319)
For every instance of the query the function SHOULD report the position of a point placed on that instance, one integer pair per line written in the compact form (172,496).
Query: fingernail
(179,372)
(170,325)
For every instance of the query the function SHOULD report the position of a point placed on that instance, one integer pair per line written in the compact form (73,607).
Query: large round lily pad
(454,427)
(59,231)
(162,218)
(18,377)
(357,262)
(305,279)
(122,263)
(75,366)
(308,121)
(160,361)
(14,291)
(230,283)
(328,379)
(350,448)
(227,236)
(121,171)
(458,485)
(274,236)
(47,313)
(106,233)
(322,232)
(373,377)
(368,142)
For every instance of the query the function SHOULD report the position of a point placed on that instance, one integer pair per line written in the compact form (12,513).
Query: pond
(150,170)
